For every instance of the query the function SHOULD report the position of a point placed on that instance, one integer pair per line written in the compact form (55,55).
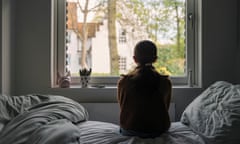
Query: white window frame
(193,46)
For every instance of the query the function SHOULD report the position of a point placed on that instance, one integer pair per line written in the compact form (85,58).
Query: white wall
(32,54)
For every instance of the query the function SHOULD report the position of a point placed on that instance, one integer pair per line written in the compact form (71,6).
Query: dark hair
(145,52)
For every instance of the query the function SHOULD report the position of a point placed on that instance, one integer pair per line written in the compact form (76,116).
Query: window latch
(190,19)
(190,83)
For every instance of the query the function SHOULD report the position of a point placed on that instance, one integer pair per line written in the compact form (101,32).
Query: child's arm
(169,93)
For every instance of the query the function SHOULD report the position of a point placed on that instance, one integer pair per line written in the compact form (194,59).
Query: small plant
(85,72)
(85,76)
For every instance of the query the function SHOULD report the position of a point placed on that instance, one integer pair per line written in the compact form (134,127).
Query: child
(144,96)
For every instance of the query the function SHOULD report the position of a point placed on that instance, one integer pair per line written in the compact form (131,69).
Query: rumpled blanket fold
(50,121)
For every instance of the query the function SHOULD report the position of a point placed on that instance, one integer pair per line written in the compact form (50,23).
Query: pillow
(215,114)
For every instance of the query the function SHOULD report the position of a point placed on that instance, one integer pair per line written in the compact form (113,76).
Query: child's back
(144,96)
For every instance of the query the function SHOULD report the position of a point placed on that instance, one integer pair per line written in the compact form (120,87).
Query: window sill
(108,94)
(92,87)
(95,86)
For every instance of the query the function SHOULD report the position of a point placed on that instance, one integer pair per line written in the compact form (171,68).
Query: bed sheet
(96,132)
(49,119)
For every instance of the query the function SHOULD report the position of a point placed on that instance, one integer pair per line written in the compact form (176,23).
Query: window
(122,64)
(101,35)
(122,36)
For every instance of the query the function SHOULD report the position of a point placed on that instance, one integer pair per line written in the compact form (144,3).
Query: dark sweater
(144,97)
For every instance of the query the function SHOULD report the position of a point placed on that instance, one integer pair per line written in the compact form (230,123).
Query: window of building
(122,36)
(122,64)
(101,35)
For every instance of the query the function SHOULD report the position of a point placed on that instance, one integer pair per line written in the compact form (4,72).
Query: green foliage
(163,19)
(170,59)
(85,72)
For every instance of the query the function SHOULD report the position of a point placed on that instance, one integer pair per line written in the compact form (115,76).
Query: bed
(212,118)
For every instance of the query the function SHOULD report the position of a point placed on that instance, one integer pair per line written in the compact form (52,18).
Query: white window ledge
(108,94)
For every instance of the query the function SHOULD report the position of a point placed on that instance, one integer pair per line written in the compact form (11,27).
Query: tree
(109,9)
(112,37)
(163,19)
(175,8)
(132,15)
(82,33)
(144,19)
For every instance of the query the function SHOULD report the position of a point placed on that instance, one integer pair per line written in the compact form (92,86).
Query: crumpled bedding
(95,132)
(50,119)
(11,106)
(213,117)
(215,114)
(40,119)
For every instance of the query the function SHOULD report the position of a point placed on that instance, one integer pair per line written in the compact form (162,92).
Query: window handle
(190,82)
(190,19)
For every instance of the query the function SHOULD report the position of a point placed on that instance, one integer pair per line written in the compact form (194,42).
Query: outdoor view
(101,34)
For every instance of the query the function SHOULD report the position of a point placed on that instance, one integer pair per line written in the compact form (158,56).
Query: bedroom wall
(219,41)
(1,46)
(238,39)
(7,43)
(32,56)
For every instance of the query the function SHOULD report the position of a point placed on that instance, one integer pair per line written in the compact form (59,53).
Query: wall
(7,53)
(1,46)
(219,40)
(32,55)
(238,49)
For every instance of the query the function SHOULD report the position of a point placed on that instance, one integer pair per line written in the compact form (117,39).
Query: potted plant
(84,76)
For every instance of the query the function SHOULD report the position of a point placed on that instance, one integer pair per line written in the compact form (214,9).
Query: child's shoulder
(165,79)
(123,77)
(164,76)
(127,77)
(123,80)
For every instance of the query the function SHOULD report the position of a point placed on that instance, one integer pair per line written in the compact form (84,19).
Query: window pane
(101,35)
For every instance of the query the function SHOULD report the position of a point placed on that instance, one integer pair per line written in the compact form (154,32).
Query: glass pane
(101,34)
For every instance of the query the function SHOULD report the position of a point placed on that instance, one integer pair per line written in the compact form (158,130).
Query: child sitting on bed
(144,96)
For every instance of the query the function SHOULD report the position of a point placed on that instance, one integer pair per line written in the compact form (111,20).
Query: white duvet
(212,118)
(215,114)
(42,119)
(94,132)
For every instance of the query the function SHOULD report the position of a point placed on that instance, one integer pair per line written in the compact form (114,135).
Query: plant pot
(84,80)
